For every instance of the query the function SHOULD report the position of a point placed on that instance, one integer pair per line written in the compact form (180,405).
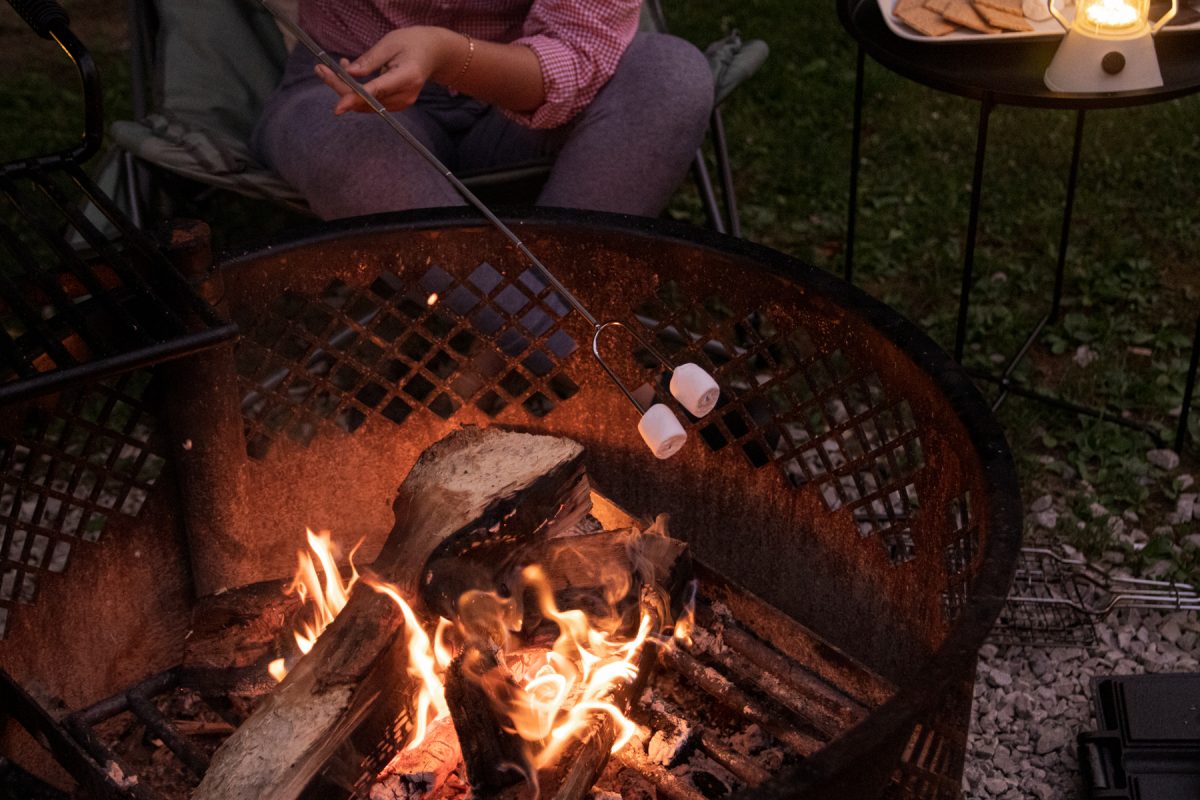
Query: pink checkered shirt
(577,42)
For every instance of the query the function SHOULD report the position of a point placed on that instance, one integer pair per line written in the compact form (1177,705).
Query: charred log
(475,485)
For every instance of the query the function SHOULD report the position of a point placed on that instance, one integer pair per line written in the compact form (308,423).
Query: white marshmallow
(695,389)
(661,431)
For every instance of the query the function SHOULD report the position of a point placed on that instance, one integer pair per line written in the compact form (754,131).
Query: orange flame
(327,598)
(687,618)
(426,663)
(575,677)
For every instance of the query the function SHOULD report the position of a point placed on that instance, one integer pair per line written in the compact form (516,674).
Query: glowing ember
(433,298)
(561,690)
(565,685)
(687,618)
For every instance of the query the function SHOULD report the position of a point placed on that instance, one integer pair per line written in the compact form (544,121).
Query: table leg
(1188,390)
(964,298)
(855,147)
(1068,208)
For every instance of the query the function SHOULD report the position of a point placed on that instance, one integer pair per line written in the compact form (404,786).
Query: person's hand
(406,58)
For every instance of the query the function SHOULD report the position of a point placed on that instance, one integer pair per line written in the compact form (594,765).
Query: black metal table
(1009,72)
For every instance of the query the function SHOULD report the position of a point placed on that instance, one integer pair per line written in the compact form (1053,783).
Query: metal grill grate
(66,474)
(813,414)
(76,305)
(1046,606)
(333,361)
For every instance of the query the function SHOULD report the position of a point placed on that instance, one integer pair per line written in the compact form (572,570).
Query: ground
(1131,286)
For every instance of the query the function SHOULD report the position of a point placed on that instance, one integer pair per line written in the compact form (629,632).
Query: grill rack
(1056,601)
(77,305)
(802,703)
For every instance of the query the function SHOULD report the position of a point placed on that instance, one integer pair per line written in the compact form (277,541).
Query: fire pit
(851,506)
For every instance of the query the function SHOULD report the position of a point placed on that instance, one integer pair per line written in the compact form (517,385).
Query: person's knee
(675,78)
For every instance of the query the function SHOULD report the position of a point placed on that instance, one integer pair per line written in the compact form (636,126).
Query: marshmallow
(695,389)
(661,431)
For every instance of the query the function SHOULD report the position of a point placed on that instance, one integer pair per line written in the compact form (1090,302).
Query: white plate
(1047,29)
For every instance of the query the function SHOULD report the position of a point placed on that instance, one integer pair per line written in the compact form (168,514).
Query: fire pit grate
(67,472)
(887,526)
(77,304)
(734,711)
(391,348)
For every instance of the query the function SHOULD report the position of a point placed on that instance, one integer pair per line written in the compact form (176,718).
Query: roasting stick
(690,384)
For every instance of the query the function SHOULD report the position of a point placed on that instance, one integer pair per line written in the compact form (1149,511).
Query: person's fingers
(374,58)
(332,80)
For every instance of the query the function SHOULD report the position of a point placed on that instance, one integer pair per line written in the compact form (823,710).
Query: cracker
(925,21)
(961,12)
(1001,20)
(938,6)
(1014,7)
(905,5)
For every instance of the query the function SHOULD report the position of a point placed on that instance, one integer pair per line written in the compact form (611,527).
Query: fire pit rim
(990,585)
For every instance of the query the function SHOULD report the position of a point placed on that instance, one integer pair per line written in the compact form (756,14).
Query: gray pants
(626,152)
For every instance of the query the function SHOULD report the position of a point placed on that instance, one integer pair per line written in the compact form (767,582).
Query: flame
(427,663)
(571,681)
(559,690)
(687,618)
(327,598)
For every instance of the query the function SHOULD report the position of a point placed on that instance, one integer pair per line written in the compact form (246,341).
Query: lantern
(1108,47)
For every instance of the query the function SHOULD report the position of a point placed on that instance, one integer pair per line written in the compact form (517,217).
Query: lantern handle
(1165,18)
(1058,15)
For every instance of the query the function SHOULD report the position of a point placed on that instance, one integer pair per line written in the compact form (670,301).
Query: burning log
(421,771)
(475,485)
(494,757)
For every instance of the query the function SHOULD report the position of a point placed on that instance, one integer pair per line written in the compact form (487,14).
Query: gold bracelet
(466,64)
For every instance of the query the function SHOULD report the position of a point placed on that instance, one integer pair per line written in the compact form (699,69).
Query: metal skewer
(690,384)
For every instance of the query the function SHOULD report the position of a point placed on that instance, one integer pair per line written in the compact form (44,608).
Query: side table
(1000,72)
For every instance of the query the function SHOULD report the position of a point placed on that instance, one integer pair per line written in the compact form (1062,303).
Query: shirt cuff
(566,90)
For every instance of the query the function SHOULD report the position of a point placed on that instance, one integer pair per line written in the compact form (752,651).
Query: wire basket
(1056,601)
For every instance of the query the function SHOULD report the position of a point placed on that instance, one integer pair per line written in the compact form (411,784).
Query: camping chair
(202,71)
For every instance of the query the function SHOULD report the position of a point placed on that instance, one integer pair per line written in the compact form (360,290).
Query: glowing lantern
(1109,47)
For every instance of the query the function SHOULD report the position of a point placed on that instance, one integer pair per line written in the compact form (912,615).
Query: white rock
(1041,504)
(1052,739)
(1047,519)
(995,786)
(1184,481)
(1163,459)
(1185,506)
(1085,356)
(1170,631)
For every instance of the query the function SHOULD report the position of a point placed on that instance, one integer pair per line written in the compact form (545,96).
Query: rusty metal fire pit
(851,477)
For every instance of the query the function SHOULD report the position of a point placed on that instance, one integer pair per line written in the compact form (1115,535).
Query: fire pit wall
(851,476)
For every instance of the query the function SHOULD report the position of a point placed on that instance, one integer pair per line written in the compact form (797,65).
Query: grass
(1131,286)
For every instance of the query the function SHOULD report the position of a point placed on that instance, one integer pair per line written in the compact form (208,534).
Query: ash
(142,759)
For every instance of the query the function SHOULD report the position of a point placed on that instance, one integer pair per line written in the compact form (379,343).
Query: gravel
(1032,702)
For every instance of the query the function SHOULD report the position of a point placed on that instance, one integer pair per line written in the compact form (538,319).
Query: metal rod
(704,187)
(425,153)
(1016,360)
(725,692)
(1110,416)
(1189,389)
(721,148)
(1068,209)
(378,107)
(964,299)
